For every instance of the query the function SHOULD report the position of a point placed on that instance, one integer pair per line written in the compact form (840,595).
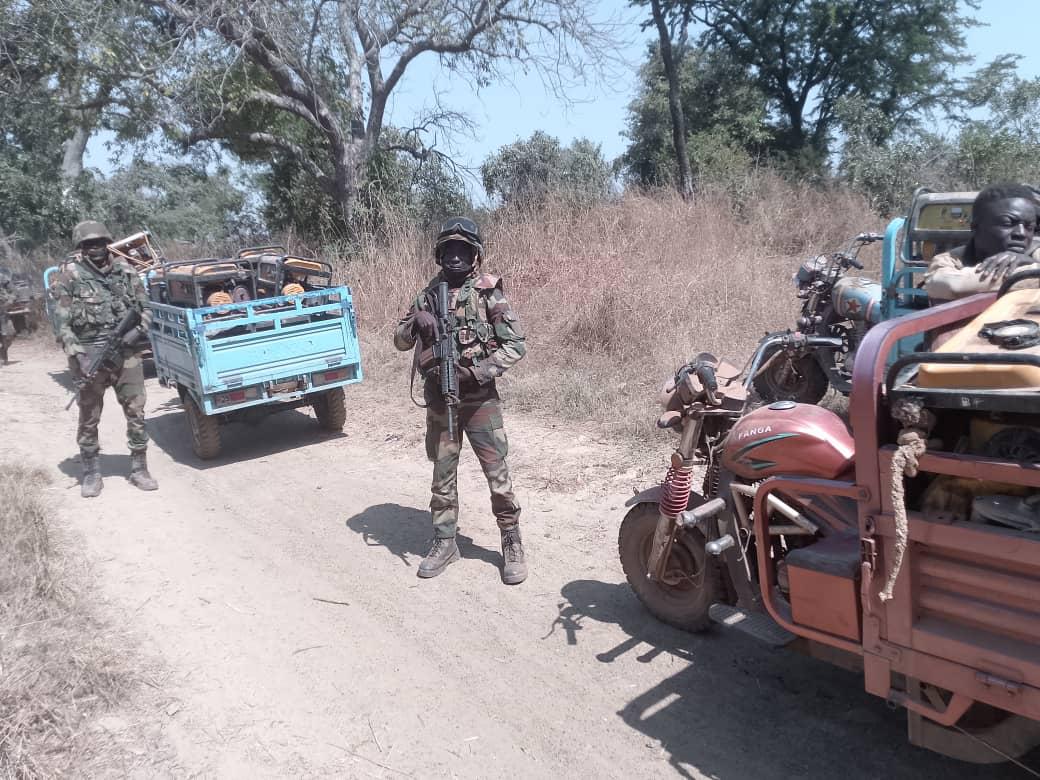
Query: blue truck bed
(273,351)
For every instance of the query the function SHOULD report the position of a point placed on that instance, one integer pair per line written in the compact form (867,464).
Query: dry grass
(60,667)
(614,298)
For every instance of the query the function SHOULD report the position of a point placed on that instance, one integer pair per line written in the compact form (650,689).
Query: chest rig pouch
(98,303)
(475,336)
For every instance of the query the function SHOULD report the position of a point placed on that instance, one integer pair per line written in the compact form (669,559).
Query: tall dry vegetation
(613,298)
(60,667)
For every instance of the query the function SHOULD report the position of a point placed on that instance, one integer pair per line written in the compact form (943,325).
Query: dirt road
(277,586)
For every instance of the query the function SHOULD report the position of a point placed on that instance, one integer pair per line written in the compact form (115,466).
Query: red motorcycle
(689,555)
(908,549)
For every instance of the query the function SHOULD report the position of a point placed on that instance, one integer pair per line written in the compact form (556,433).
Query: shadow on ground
(406,532)
(734,702)
(63,379)
(240,442)
(111,465)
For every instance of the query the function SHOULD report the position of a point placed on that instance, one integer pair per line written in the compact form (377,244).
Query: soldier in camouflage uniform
(7,330)
(91,297)
(489,341)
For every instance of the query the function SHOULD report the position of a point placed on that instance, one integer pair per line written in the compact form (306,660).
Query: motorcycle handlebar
(706,374)
(787,341)
(861,240)
(824,341)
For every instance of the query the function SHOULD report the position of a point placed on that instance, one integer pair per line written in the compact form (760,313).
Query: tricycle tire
(330,409)
(801,380)
(205,431)
(684,605)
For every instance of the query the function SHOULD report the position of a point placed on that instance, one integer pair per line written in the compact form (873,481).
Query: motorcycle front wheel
(792,379)
(692,581)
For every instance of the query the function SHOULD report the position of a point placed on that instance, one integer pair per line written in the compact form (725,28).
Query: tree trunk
(671,71)
(347,177)
(75,147)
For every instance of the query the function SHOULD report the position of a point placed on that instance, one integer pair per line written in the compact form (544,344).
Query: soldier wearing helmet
(7,298)
(92,296)
(489,341)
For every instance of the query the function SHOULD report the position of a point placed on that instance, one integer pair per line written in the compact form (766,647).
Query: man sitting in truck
(1003,223)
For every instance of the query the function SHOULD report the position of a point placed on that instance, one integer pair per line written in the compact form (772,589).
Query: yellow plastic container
(1015,305)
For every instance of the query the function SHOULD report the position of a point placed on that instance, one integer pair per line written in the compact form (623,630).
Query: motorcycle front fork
(675,497)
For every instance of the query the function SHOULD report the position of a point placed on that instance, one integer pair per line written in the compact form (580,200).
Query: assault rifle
(444,353)
(109,351)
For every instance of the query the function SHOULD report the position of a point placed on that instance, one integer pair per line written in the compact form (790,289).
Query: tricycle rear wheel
(692,581)
(330,409)
(205,431)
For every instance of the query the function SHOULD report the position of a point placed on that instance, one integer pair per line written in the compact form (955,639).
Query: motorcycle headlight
(810,269)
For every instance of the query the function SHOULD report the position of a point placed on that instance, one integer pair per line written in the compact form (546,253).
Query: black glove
(466,376)
(424,326)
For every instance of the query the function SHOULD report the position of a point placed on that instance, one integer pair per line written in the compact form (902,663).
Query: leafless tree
(311,79)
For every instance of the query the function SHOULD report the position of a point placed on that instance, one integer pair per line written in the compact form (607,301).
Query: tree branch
(292,105)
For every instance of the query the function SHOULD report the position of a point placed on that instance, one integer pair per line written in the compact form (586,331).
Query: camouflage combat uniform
(489,341)
(88,306)
(7,330)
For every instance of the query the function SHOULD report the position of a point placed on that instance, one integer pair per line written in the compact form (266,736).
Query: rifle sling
(415,369)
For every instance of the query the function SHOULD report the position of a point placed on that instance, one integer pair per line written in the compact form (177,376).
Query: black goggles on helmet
(459,229)
(462,226)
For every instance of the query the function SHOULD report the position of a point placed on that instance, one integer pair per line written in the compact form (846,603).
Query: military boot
(139,476)
(442,552)
(92,484)
(514,566)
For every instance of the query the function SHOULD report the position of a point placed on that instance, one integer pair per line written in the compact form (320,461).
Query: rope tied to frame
(917,423)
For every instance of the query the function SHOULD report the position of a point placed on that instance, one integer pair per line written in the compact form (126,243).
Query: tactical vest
(474,334)
(99,302)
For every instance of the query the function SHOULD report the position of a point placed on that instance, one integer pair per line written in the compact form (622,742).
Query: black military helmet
(460,229)
(89,230)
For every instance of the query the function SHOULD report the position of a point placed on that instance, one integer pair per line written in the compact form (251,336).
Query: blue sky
(504,113)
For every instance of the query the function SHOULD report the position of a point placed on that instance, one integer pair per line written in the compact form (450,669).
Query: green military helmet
(460,229)
(88,231)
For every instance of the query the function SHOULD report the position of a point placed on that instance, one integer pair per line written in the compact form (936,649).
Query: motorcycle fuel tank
(857,299)
(796,440)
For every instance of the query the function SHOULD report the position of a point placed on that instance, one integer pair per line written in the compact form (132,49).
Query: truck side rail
(865,408)
(963,616)
(221,321)
(282,348)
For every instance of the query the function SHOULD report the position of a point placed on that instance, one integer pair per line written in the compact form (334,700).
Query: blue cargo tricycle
(244,360)
(842,307)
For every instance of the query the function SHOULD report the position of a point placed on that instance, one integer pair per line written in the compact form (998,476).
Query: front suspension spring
(676,494)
